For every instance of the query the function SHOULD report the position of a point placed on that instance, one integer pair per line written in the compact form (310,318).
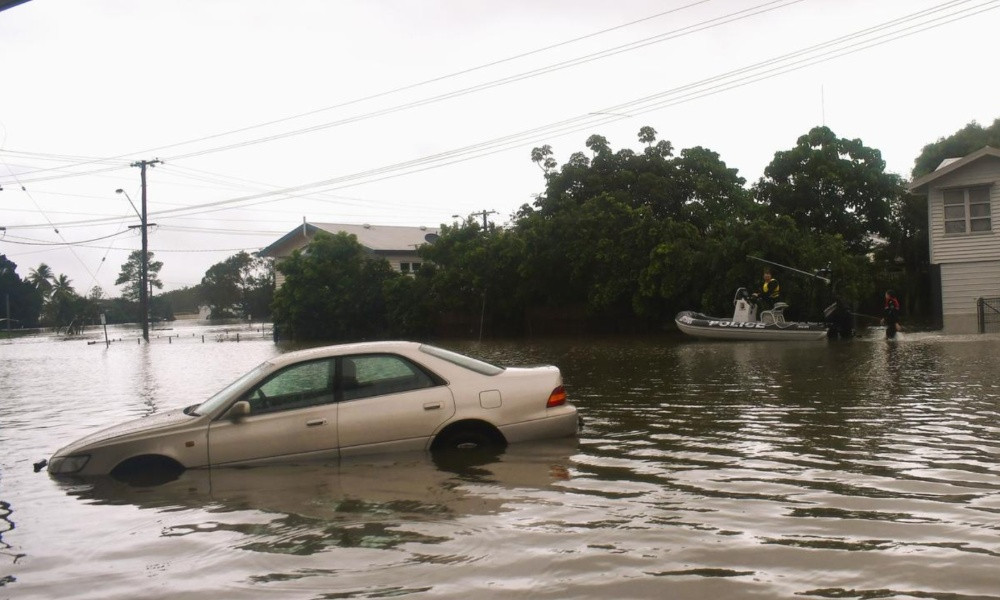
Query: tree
(25,299)
(131,275)
(542,156)
(831,184)
(42,278)
(970,138)
(333,290)
(241,285)
(66,308)
(590,236)
(221,286)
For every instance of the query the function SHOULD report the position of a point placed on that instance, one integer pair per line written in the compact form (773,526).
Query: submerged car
(337,401)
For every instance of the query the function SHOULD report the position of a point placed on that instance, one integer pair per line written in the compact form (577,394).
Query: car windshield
(224,396)
(462,360)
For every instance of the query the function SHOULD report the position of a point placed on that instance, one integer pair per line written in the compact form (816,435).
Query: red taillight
(557,397)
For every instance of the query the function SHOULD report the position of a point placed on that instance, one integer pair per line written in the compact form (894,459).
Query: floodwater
(860,469)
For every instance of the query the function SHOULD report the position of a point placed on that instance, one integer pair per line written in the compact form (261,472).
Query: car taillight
(557,397)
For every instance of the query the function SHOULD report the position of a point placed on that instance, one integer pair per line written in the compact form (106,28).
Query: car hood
(142,425)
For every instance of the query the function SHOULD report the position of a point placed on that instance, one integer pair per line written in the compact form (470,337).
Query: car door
(293,414)
(387,402)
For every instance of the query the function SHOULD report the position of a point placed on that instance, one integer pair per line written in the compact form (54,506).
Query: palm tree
(62,306)
(62,287)
(42,278)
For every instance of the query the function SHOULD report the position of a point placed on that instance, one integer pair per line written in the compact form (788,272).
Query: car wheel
(469,438)
(144,471)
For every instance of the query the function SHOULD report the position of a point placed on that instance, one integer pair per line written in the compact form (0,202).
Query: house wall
(965,247)
(962,284)
(395,260)
(970,263)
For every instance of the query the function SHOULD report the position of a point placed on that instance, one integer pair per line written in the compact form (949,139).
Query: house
(963,196)
(396,244)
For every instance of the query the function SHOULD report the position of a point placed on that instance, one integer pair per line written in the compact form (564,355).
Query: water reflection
(860,469)
(397,488)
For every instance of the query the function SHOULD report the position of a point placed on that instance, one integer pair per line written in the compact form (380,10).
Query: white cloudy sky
(406,112)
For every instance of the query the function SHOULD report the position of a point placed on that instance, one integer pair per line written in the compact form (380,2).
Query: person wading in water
(890,314)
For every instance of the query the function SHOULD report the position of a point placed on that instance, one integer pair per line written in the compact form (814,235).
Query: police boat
(745,324)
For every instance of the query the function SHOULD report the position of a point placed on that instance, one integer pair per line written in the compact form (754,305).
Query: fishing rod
(806,273)
(866,316)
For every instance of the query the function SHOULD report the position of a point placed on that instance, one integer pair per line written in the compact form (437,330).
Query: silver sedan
(333,402)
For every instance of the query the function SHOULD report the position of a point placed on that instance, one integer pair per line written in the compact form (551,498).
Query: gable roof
(920,184)
(376,238)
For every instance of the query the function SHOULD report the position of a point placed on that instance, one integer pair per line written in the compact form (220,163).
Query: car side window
(367,375)
(297,386)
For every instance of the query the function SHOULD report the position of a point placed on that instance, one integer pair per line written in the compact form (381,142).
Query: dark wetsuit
(890,314)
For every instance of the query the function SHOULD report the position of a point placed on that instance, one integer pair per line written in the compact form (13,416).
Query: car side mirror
(238,411)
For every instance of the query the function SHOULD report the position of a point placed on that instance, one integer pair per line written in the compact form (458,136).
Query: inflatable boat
(745,325)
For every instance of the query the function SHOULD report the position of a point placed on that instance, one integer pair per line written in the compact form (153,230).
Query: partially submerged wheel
(469,436)
(145,471)
(464,448)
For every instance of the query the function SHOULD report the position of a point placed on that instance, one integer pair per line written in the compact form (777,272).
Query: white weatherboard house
(396,244)
(963,196)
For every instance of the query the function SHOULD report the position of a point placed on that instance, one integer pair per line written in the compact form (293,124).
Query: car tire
(469,438)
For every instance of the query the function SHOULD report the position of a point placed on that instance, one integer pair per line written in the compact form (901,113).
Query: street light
(121,191)
(459,217)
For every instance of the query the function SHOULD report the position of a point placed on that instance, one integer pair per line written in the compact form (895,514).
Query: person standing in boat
(890,314)
(770,291)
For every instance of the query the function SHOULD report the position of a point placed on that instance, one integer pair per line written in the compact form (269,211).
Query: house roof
(920,184)
(377,238)
(5,4)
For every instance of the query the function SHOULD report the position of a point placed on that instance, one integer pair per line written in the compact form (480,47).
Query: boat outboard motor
(839,319)
(744,311)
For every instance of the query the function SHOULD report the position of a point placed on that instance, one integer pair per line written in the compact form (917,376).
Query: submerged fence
(989,315)
(94,336)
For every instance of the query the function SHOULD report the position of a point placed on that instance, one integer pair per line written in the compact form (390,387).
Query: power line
(31,242)
(710,23)
(724,82)
(54,228)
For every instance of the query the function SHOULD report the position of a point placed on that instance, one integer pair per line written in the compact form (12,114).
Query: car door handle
(432,405)
(315,422)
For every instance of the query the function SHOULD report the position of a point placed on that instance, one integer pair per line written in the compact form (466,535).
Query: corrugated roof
(920,185)
(947,161)
(377,238)
(383,237)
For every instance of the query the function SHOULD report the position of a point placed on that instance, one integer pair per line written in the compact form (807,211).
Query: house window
(967,210)
(404,267)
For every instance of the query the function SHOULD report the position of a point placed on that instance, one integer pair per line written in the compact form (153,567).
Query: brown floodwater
(859,469)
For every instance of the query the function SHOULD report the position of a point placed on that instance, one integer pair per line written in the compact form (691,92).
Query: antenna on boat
(816,275)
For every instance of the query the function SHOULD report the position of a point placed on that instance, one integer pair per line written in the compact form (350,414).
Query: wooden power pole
(144,283)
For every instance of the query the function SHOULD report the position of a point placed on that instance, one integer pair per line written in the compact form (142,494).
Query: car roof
(342,349)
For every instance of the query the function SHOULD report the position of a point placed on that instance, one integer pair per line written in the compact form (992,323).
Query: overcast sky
(406,112)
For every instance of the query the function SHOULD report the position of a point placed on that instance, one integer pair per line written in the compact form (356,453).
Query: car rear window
(466,362)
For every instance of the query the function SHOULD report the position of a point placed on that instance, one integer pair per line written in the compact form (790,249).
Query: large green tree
(333,290)
(23,298)
(970,138)
(590,236)
(241,285)
(828,184)
(473,279)
(130,275)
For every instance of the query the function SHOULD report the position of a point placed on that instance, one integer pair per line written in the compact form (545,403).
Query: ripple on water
(854,470)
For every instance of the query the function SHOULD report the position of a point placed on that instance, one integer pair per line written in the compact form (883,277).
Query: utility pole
(144,282)
(484,213)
